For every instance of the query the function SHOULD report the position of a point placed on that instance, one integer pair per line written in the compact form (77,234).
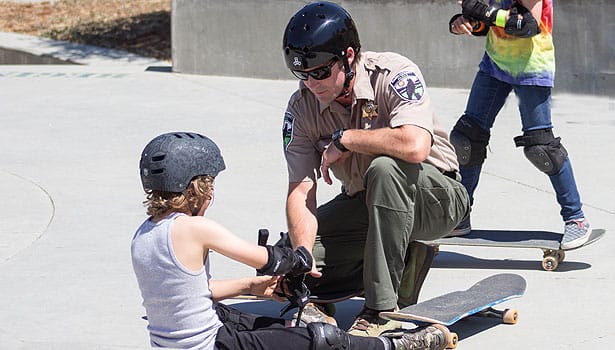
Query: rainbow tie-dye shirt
(521,61)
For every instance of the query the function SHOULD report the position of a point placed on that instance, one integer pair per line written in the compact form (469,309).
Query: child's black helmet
(317,33)
(170,161)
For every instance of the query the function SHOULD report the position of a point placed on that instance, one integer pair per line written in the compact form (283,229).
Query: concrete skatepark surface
(70,141)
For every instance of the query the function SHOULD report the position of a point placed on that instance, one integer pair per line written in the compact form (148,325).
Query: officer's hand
(331,155)
(314,272)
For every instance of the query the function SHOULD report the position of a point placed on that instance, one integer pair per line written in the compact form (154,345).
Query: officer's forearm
(301,214)
(409,143)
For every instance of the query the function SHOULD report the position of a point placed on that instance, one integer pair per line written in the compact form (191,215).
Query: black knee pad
(544,150)
(470,142)
(328,337)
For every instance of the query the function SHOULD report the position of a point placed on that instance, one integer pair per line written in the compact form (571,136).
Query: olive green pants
(363,241)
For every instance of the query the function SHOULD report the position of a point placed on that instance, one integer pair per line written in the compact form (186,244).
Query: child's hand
(265,286)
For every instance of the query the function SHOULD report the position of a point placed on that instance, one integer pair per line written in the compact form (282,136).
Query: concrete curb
(22,48)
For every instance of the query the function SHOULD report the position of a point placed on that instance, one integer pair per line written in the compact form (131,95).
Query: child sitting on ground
(170,259)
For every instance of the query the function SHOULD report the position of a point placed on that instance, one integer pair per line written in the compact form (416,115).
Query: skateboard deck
(479,299)
(548,242)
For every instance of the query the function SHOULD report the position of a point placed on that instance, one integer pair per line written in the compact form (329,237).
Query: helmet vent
(158,158)
(185,134)
(157,171)
(306,27)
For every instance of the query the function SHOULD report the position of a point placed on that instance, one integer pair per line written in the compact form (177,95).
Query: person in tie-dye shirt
(520,57)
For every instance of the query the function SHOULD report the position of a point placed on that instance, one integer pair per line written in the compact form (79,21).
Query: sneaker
(576,233)
(463,228)
(369,324)
(431,337)
(314,313)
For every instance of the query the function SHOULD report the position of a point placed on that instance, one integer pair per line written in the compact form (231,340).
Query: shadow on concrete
(452,260)
(159,69)
(470,326)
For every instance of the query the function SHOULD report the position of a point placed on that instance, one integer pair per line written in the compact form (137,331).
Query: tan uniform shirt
(389,91)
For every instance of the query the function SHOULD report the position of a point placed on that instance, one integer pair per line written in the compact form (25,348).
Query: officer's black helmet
(317,33)
(170,161)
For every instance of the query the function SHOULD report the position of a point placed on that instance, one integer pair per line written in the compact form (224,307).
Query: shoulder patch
(287,129)
(408,86)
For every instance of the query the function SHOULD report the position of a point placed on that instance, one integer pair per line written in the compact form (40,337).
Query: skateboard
(478,300)
(548,242)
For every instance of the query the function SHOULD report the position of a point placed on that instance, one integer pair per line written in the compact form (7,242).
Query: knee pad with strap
(328,337)
(543,149)
(470,142)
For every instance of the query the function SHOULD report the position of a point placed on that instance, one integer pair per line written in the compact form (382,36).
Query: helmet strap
(349,76)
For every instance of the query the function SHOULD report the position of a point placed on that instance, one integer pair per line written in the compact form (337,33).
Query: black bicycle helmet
(316,34)
(170,161)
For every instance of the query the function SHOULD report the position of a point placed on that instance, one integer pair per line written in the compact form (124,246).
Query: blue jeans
(485,102)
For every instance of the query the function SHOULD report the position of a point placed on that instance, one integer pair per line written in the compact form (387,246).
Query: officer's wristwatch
(336,136)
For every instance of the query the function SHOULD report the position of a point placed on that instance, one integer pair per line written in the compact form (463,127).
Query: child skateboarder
(171,262)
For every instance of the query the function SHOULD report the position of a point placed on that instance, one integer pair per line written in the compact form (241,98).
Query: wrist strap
(336,140)
(500,19)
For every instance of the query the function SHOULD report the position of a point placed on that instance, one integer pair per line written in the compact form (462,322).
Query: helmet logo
(297,62)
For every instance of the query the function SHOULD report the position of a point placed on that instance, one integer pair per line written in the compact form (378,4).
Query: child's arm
(534,6)
(192,237)
(263,286)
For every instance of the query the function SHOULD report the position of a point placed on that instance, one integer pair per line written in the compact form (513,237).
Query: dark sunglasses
(316,74)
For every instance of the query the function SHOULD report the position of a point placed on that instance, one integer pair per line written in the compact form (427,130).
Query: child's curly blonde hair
(200,189)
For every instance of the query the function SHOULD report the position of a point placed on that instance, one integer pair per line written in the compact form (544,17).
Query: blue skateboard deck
(449,308)
(549,242)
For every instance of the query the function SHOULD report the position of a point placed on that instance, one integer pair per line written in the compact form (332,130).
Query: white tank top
(177,301)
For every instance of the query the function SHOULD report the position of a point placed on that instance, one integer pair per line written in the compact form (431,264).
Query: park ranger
(367,118)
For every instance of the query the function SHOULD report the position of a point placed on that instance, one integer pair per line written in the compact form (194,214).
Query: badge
(408,86)
(287,129)
(369,110)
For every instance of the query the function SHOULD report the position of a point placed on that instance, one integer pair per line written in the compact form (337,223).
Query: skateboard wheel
(451,340)
(549,263)
(561,255)
(510,316)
